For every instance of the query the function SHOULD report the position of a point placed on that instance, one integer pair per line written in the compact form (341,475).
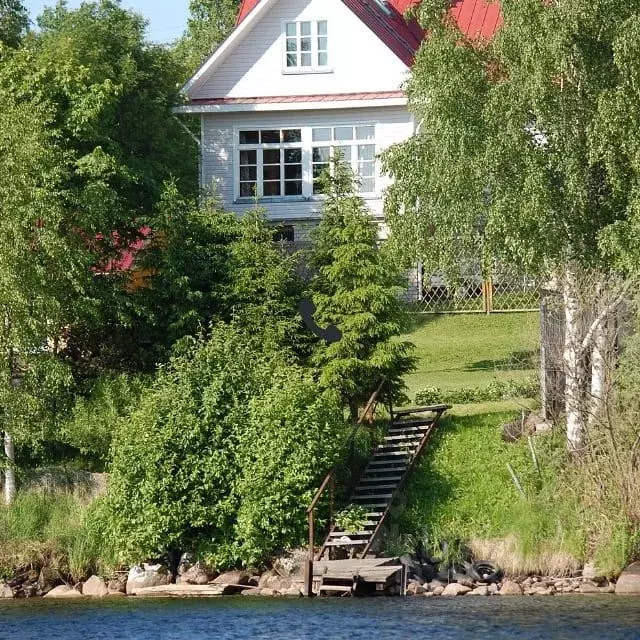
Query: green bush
(222,454)
(495,391)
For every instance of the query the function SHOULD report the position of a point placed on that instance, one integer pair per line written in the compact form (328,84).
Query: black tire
(487,572)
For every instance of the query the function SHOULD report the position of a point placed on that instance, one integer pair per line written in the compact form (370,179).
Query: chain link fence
(468,291)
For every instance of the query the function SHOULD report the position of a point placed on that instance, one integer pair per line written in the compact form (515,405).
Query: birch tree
(507,159)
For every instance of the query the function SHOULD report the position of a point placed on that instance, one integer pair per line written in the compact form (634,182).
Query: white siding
(361,62)
(393,124)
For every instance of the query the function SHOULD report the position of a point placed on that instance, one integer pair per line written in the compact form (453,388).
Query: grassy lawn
(472,350)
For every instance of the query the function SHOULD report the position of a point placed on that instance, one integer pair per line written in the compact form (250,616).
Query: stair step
(381,463)
(340,534)
(418,431)
(404,437)
(422,409)
(346,543)
(372,479)
(372,495)
(418,422)
(390,453)
(374,487)
(335,587)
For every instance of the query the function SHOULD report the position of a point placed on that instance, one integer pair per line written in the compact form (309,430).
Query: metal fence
(467,291)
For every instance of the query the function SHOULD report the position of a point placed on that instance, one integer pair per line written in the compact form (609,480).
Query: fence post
(487,296)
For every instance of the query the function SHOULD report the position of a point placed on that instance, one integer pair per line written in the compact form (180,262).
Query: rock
(118,585)
(588,587)
(279,583)
(267,592)
(63,591)
(415,588)
(629,581)
(438,591)
(95,588)
(493,589)
(146,576)
(429,594)
(6,592)
(455,589)
(292,592)
(480,591)
(543,590)
(252,592)
(291,565)
(264,578)
(185,563)
(467,582)
(47,580)
(233,577)
(510,588)
(434,584)
(197,574)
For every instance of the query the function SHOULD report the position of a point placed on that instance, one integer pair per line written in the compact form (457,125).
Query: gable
(359,61)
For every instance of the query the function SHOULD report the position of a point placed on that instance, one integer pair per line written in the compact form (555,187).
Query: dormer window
(306,45)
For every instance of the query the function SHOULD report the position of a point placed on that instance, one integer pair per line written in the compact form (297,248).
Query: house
(298,80)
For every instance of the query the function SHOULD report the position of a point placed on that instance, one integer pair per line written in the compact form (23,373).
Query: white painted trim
(291,106)
(227,46)
(314,68)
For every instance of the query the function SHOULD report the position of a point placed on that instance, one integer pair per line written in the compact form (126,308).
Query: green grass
(467,350)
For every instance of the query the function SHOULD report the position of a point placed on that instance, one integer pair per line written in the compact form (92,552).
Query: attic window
(306,45)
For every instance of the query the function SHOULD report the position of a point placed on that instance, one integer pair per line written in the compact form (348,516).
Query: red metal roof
(476,19)
(335,97)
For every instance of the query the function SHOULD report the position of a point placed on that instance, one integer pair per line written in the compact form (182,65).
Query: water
(552,618)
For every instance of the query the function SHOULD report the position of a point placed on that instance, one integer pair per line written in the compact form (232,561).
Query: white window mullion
(260,176)
(307,162)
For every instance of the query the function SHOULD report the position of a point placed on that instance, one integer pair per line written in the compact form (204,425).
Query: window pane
(247,189)
(344,153)
(292,60)
(292,29)
(366,152)
(322,28)
(248,157)
(365,133)
(292,44)
(271,156)
(249,137)
(248,173)
(322,135)
(305,60)
(271,188)
(305,44)
(321,154)
(293,188)
(271,172)
(368,185)
(270,137)
(293,172)
(343,133)
(305,28)
(293,156)
(322,44)
(292,135)
(323,59)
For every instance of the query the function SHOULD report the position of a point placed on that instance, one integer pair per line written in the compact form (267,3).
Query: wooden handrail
(329,480)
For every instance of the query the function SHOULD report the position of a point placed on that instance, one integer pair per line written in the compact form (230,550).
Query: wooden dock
(356,576)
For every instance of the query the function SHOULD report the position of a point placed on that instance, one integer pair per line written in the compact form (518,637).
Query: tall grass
(54,530)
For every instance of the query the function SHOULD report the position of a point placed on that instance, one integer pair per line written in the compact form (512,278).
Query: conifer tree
(357,289)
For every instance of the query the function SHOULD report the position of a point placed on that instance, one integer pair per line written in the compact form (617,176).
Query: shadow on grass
(515,361)
(417,321)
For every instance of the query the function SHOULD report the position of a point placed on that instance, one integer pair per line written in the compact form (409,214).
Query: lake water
(544,618)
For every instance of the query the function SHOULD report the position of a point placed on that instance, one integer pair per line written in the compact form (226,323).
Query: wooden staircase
(384,476)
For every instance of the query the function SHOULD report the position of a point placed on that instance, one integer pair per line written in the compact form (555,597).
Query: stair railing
(329,482)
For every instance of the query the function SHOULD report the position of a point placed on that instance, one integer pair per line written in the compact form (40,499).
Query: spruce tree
(357,289)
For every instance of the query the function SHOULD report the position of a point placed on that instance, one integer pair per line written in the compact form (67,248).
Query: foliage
(14,22)
(510,155)
(493,392)
(357,289)
(210,22)
(194,466)
(351,519)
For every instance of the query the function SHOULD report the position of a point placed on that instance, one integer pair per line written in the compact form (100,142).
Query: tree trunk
(574,369)
(598,371)
(9,473)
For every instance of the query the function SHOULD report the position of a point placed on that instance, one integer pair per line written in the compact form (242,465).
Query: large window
(306,45)
(270,163)
(356,147)
(287,163)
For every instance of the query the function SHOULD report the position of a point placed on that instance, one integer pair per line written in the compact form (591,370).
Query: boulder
(492,589)
(629,581)
(197,574)
(438,591)
(480,591)
(251,592)
(118,585)
(233,577)
(267,592)
(278,583)
(542,590)
(47,580)
(415,588)
(264,578)
(434,584)
(145,576)
(510,588)
(291,565)
(292,592)
(588,587)
(455,589)
(63,591)
(95,587)
(6,592)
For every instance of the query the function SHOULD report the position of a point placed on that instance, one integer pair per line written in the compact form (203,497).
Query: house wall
(219,160)
(358,59)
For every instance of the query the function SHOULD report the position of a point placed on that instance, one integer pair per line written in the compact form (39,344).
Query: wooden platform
(359,574)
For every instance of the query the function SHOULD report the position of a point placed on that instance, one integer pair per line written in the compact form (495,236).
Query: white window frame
(315,50)
(307,144)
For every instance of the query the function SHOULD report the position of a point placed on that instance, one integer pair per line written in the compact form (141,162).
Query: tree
(508,161)
(14,22)
(44,269)
(210,22)
(356,289)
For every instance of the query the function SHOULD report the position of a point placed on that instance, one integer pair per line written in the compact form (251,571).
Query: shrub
(495,391)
